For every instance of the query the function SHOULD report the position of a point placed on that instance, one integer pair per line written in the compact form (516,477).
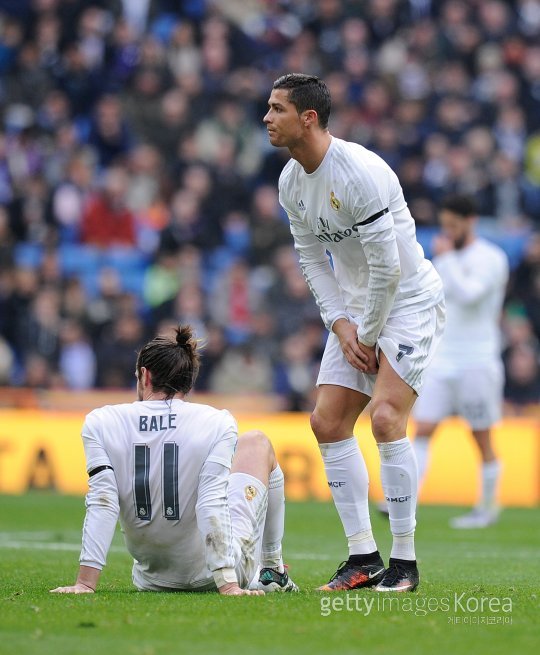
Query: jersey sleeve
(318,273)
(212,509)
(94,451)
(374,224)
(102,503)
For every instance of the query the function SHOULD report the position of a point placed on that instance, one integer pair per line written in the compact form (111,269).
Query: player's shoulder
(288,174)
(490,249)
(107,412)
(360,170)
(355,155)
(208,412)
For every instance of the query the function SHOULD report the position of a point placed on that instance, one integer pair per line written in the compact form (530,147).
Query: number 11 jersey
(171,460)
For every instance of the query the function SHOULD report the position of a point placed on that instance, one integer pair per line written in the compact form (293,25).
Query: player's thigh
(436,399)
(480,396)
(336,412)
(248,503)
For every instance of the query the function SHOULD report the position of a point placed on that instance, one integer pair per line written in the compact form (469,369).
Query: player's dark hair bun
(185,338)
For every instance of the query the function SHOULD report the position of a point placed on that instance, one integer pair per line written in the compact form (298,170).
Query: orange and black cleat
(357,572)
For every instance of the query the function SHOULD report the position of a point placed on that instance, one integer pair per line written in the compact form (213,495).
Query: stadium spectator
(107,220)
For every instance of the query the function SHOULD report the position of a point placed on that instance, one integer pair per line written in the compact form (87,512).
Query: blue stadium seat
(28,255)
(78,259)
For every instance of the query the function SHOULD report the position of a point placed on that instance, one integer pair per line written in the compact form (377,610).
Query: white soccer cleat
(477,518)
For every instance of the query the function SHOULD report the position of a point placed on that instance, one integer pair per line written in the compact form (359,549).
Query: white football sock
(490,477)
(274,525)
(349,483)
(400,485)
(421,451)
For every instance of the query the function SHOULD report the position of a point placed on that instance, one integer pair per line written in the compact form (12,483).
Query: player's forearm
(102,510)
(318,274)
(323,285)
(384,275)
(214,522)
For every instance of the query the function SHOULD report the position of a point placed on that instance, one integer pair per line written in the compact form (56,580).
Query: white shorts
(248,502)
(408,342)
(474,394)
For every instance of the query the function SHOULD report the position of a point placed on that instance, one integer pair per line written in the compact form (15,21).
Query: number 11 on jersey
(169,479)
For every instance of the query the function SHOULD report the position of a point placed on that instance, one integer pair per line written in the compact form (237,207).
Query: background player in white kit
(383,306)
(196,515)
(466,376)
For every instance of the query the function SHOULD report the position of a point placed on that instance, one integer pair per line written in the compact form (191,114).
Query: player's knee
(386,422)
(325,429)
(255,441)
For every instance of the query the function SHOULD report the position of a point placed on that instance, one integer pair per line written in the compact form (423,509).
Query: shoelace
(394,573)
(342,567)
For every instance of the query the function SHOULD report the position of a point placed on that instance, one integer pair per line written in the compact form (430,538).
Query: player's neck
(156,395)
(310,152)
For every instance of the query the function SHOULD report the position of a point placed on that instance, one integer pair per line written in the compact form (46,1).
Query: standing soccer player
(382,303)
(200,508)
(466,376)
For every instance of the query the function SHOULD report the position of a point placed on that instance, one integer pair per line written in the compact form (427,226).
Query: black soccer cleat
(401,575)
(355,575)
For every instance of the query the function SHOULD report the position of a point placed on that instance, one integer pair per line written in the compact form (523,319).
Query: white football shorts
(248,502)
(475,394)
(408,342)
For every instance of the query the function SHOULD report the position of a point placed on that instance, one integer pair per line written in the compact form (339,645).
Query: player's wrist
(339,324)
(225,576)
(88,577)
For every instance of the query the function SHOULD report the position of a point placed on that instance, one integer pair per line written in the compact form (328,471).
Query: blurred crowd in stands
(138,188)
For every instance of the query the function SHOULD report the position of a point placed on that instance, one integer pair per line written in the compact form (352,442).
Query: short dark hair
(172,361)
(307,92)
(462,205)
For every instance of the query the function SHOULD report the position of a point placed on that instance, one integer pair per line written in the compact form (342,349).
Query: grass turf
(40,537)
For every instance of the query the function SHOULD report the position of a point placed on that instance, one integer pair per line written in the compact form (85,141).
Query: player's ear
(310,118)
(146,377)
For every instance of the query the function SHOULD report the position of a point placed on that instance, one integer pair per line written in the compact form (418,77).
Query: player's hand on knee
(232,589)
(74,589)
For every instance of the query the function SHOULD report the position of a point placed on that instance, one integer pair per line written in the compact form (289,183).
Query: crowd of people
(138,188)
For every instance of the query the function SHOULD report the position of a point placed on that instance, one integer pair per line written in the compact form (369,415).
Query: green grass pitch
(469,581)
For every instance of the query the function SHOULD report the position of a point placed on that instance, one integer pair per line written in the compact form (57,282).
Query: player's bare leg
(391,405)
(255,457)
(333,420)
(486,511)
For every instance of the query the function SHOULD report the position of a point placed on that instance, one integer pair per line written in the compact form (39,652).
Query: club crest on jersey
(336,204)
(250,492)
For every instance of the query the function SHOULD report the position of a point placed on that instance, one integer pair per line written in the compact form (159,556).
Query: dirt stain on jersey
(215,539)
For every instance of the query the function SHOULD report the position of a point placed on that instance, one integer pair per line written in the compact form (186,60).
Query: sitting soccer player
(200,508)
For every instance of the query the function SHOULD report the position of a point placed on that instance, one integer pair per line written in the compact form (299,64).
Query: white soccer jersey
(171,462)
(474,280)
(353,207)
